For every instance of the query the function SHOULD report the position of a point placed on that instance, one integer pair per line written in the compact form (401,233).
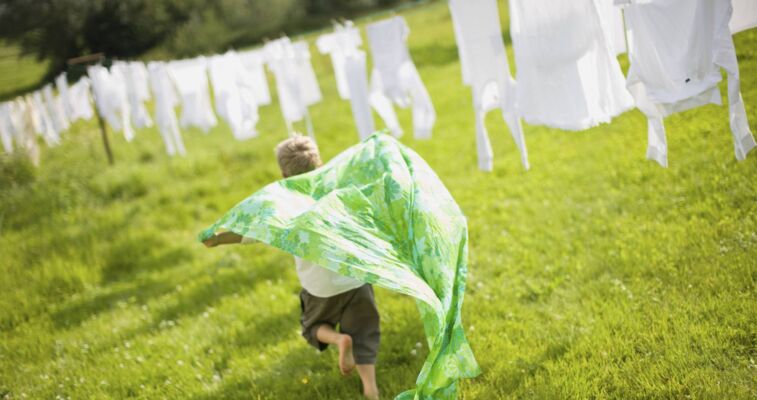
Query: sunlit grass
(596,274)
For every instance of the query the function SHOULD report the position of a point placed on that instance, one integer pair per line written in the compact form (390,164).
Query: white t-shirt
(319,281)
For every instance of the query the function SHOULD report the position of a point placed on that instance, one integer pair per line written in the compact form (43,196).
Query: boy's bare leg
(367,374)
(327,334)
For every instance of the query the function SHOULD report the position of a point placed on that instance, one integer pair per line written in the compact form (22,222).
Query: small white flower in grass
(199,377)
(413,352)
(121,365)
(210,351)
(140,359)
(186,347)
(103,382)
(171,323)
(81,379)
(178,288)
(216,378)
(205,314)
(472,328)
(144,307)
(141,386)
(261,356)
(127,344)
(167,382)
(479,285)
(179,362)
(116,349)
(418,345)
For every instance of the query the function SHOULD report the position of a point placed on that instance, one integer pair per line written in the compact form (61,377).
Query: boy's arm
(223,238)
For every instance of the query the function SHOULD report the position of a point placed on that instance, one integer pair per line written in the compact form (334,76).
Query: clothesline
(568,76)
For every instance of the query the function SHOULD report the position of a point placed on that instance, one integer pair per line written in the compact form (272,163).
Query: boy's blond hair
(297,155)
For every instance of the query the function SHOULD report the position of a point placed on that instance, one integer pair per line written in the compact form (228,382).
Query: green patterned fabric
(377,213)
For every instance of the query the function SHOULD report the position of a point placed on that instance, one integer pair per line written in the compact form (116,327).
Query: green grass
(596,274)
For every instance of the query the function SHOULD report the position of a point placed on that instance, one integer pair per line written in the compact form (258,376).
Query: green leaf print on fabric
(377,213)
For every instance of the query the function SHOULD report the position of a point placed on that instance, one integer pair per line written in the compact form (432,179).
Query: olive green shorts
(356,313)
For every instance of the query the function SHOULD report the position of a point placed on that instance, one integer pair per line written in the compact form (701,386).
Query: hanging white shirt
(55,109)
(137,91)
(676,50)
(744,15)
(395,79)
(191,80)
(295,79)
(111,99)
(234,96)
(485,69)
(253,61)
(22,118)
(338,44)
(350,73)
(165,103)
(568,76)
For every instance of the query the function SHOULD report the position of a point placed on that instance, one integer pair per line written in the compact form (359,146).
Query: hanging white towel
(43,124)
(61,83)
(676,49)
(55,109)
(111,99)
(165,103)
(568,76)
(350,72)
(137,91)
(395,79)
(191,79)
(744,15)
(254,61)
(486,71)
(234,97)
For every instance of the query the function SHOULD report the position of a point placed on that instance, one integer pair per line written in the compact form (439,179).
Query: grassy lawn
(597,274)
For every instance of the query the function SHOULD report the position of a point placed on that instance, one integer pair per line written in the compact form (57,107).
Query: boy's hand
(212,242)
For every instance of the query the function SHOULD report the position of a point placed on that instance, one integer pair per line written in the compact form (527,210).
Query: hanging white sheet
(165,103)
(568,76)
(191,80)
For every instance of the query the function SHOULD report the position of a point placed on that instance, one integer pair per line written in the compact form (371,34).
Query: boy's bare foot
(371,395)
(346,359)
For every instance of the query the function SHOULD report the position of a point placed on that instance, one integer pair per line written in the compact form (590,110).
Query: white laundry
(191,80)
(7,131)
(55,109)
(355,73)
(165,103)
(486,71)
(338,44)
(567,77)
(611,18)
(254,61)
(61,83)
(22,118)
(395,79)
(43,124)
(79,100)
(111,99)
(350,72)
(234,95)
(137,91)
(676,51)
(295,79)
(744,15)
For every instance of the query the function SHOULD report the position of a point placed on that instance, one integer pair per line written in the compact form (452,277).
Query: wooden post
(103,131)
(90,58)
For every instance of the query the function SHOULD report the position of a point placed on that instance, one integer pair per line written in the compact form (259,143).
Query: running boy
(327,298)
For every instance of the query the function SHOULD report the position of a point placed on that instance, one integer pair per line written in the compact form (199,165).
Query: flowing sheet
(377,213)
